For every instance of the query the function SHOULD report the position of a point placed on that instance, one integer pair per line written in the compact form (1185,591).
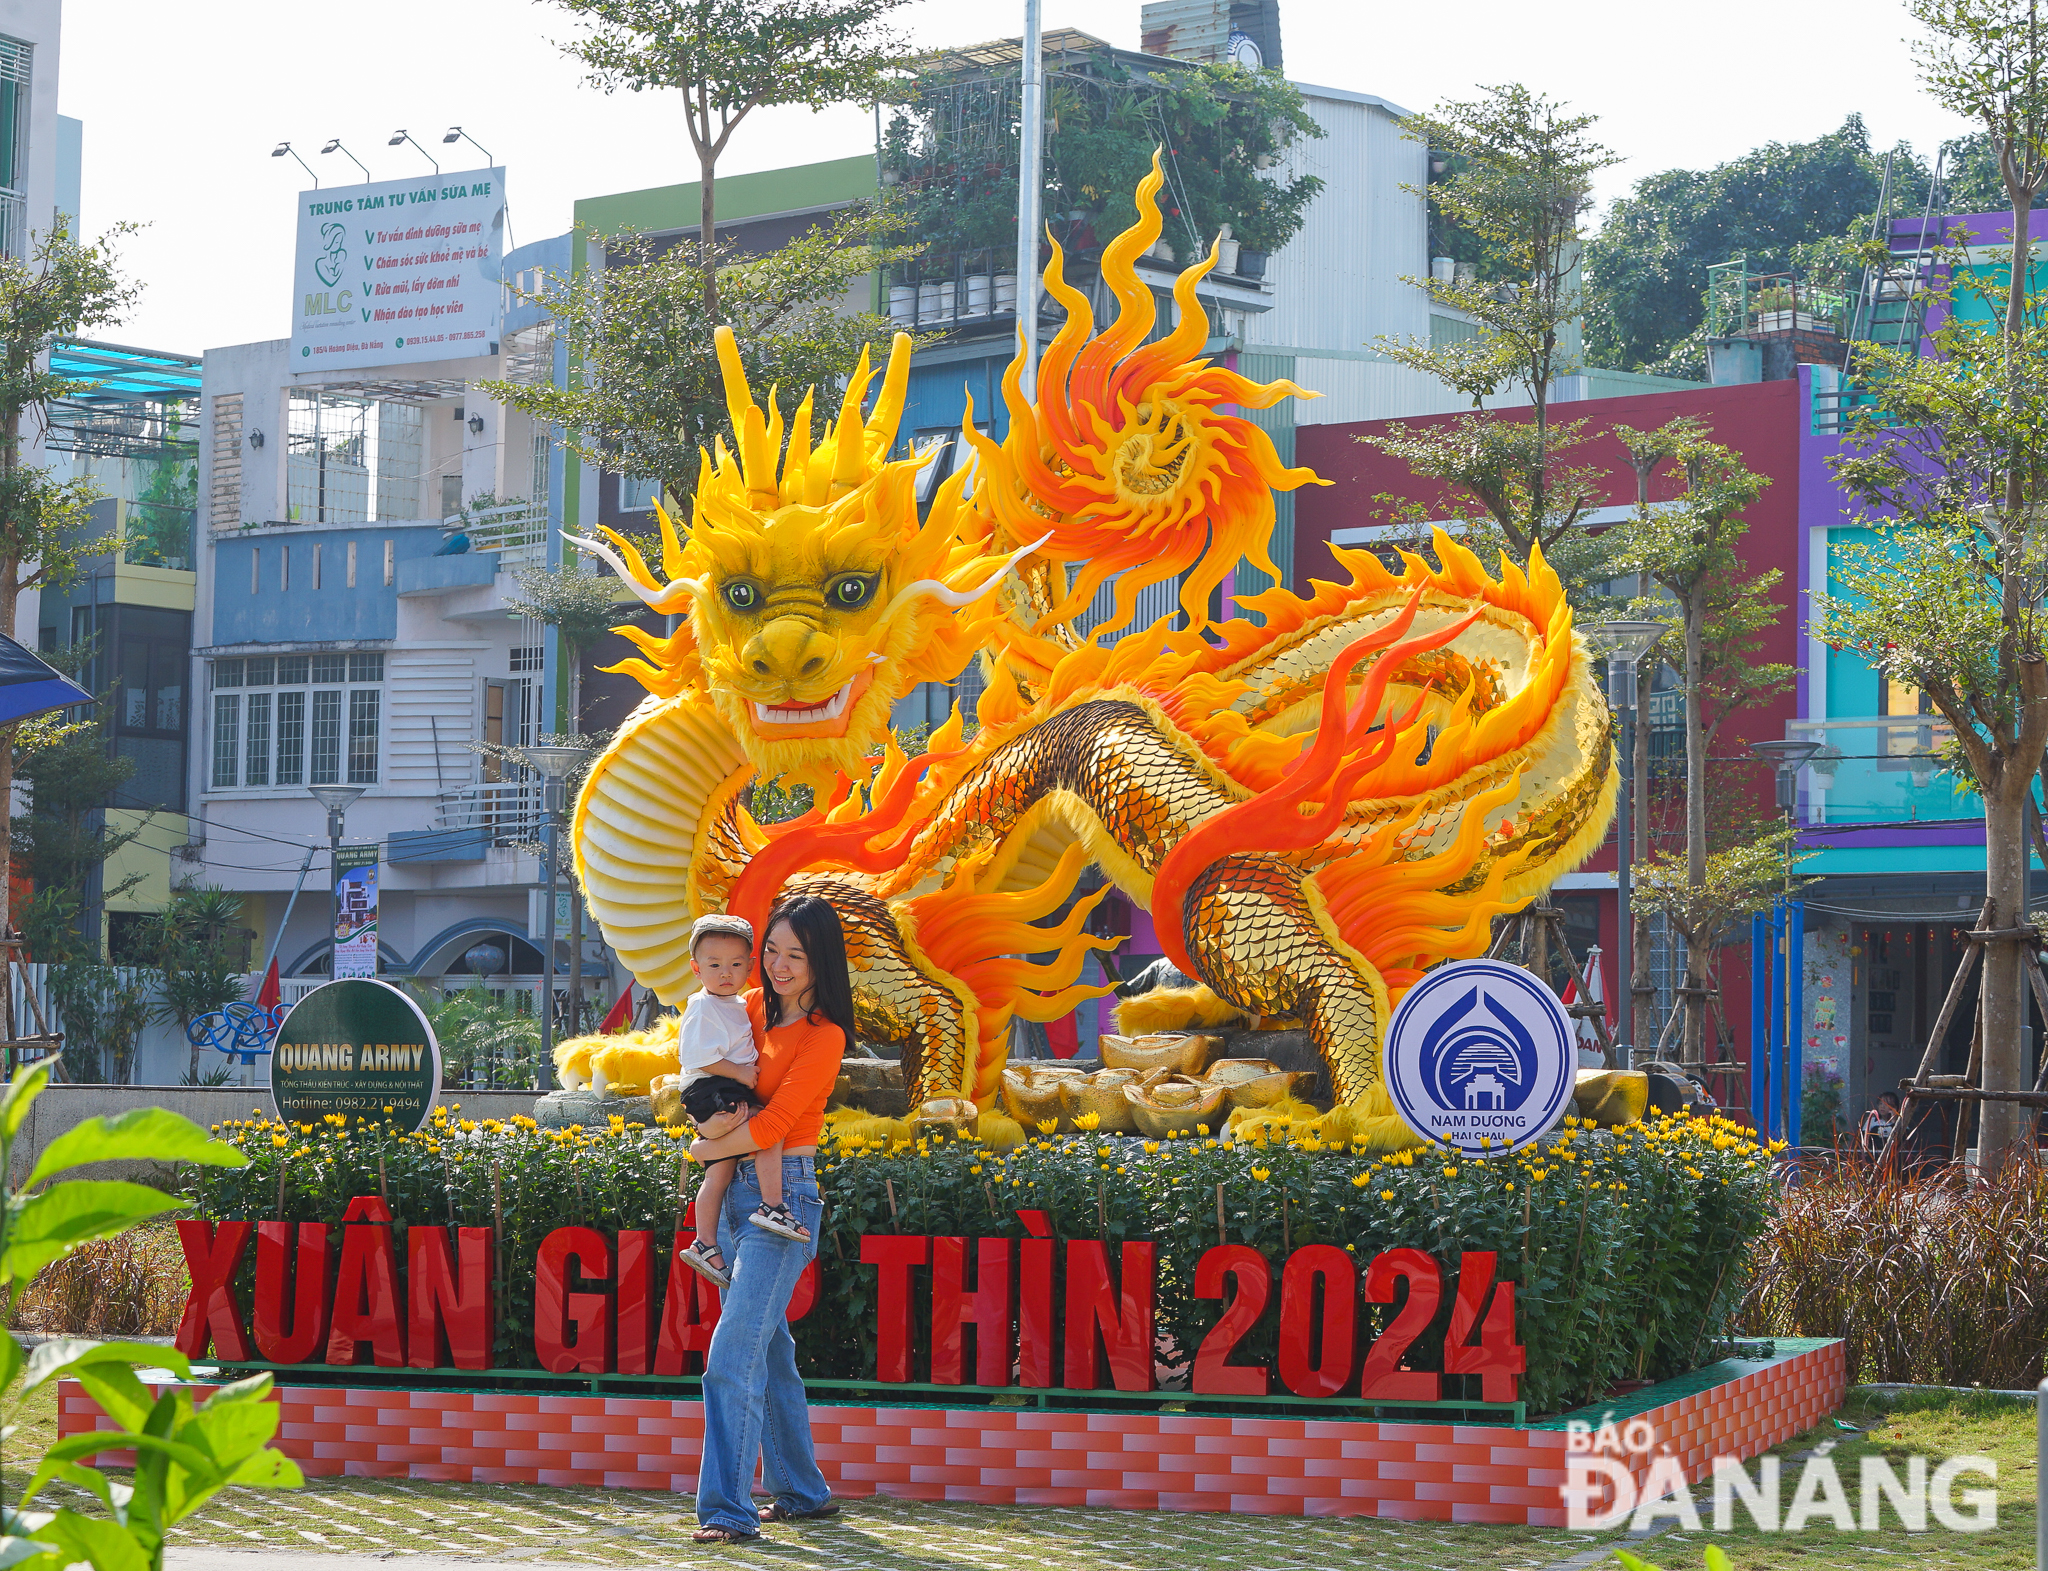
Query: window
(330,706)
(637,494)
(528,657)
(227,738)
(364,706)
(350,460)
(316,567)
(152,672)
(291,736)
(1898,699)
(256,765)
(284,569)
(351,564)
(326,737)
(255,569)
(390,562)
(15,61)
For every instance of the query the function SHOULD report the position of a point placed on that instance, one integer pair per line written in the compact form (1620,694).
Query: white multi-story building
(359,541)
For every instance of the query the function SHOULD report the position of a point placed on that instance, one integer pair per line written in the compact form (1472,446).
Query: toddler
(717,1060)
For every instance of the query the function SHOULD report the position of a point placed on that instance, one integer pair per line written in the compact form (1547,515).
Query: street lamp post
(554,765)
(1624,643)
(1030,186)
(1788,937)
(336,799)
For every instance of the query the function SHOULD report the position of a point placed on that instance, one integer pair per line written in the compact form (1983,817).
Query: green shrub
(1628,1247)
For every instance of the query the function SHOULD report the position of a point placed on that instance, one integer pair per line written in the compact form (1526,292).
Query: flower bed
(1628,1248)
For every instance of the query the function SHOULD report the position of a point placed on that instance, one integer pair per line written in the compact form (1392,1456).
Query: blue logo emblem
(1480,1055)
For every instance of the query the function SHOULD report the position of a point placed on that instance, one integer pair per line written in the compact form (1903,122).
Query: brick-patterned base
(1012,1456)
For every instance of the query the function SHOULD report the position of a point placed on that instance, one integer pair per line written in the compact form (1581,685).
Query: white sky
(182,104)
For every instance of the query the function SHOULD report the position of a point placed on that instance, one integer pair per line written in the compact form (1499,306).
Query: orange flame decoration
(975,936)
(1126,457)
(1343,753)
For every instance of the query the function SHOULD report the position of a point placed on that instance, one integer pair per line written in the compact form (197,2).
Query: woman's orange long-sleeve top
(799,1063)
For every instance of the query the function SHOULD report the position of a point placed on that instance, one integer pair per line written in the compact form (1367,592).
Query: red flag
(621,1014)
(270,994)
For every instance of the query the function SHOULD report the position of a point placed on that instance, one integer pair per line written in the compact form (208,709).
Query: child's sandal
(781,1220)
(707,1262)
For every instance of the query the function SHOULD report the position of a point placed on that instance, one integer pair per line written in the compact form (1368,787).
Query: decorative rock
(560,1109)
(874,1085)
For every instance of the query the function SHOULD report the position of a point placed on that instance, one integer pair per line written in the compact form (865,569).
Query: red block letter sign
(366,1303)
(1383,1378)
(1214,1374)
(556,1310)
(895,1255)
(291,1330)
(1498,1358)
(1034,1302)
(211,1256)
(986,1307)
(450,1304)
(1312,1366)
(633,1305)
(689,1314)
(1123,1317)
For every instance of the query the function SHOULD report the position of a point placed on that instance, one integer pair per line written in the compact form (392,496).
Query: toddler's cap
(718,922)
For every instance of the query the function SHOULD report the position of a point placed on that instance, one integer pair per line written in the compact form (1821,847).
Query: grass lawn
(620,1527)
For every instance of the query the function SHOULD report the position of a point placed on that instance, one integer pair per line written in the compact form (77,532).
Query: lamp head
(280,150)
(1627,641)
(1788,755)
(397,139)
(551,763)
(335,798)
(332,143)
(454,134)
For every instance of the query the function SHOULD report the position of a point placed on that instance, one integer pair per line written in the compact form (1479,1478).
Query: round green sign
(359,1048)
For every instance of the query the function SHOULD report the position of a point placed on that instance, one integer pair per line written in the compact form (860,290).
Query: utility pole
(1030,189)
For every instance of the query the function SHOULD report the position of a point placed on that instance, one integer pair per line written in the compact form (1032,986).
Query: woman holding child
(754,1403)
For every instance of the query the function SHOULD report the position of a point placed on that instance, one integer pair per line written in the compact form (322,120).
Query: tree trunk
(1695,607)
(707,235)
(575,957)
(1639,993)
(2004,1126)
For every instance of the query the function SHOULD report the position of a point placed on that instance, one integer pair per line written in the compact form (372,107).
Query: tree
(63,838)
(650,395)
(730,57)
(1687,548)
(1646,269)
(1524,186)
(202,951)
(580,607)
(62,288)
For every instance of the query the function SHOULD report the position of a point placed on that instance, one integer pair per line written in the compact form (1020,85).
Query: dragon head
(813,598)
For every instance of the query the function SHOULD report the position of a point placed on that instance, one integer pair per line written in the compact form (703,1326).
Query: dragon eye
(742,596)
(850,593)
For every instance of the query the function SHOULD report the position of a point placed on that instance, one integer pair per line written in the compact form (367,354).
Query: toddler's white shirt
(714,1027)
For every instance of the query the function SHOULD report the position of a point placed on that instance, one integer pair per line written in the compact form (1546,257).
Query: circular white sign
(1481,1051)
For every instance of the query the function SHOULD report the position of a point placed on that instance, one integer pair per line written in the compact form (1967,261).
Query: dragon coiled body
(1315,806)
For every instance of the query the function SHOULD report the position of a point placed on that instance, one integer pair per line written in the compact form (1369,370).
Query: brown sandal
(722,1535)
(778,1512)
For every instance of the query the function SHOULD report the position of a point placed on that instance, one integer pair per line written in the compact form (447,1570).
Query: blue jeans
(754,1404)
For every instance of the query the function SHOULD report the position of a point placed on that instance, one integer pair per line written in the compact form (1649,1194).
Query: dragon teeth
(831,709)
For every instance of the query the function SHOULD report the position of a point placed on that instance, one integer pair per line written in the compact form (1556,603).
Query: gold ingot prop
(1031,1094)
(1173,1052)
(1612,1097)
(1254,1082)
(666,1093)
(1174,1107)
(1102,1094)
(946,1115)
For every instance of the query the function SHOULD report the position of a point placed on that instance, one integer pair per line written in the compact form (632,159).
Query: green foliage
(63,836)
(1737,881)
(1716,1560)
(1646,270)
(484,1042)
(202,953)
(582,607)
(1931,1278)
(649,395)
(187,1452)
(1218,129)
(1522,185)
(1820,1106)
(1628,1247)
(104,1009)
(167,506)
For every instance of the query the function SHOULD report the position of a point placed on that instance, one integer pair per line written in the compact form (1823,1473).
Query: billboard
(355,912)
(398,271)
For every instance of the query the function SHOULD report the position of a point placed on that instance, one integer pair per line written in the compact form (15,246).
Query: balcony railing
(13,224)
(518,533)
(509,811)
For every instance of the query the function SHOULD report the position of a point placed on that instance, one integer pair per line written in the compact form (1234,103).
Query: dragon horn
(849,456)
(665,601)
(956,598)
(749,426)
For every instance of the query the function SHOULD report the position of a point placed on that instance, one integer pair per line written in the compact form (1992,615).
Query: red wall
(1758,420)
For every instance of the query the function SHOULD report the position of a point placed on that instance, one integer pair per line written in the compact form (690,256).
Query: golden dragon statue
(1316,801)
